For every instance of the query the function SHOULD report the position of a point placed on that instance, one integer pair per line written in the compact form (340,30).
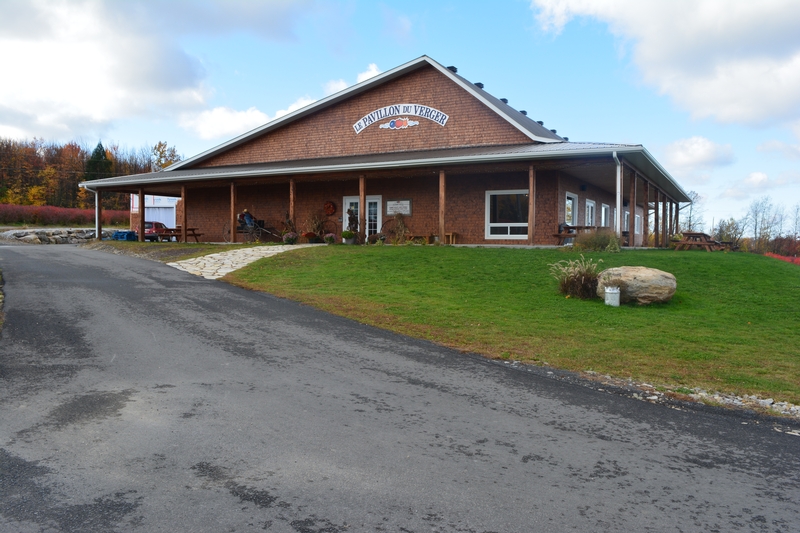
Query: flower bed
(794,260)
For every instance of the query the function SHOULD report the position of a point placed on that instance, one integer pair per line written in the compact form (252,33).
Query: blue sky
(710,87)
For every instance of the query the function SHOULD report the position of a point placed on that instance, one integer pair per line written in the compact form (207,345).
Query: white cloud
(790,151)
(224,122)
(82,65)
(698,152)
(737,61)
(757,183)
(334,86)
(294,106)
(372,71)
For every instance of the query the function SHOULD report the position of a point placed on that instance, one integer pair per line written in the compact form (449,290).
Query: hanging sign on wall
(396,110)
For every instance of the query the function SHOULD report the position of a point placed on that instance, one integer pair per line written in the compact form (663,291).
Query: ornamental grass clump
(577,278)
(595,241)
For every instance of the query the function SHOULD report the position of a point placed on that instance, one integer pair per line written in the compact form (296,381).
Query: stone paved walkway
(214,266)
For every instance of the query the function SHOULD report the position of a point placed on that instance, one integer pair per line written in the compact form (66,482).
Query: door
(374,212)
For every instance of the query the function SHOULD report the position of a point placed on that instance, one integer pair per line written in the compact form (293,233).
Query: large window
(590,212)
(507,214)
(638,227)
(571,210)
(605,215)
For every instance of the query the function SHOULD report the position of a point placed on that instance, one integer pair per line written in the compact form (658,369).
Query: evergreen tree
(99,165)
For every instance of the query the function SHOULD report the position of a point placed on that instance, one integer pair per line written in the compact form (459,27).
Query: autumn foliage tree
(48,173)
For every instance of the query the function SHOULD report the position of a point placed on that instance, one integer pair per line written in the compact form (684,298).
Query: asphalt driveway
(135,397)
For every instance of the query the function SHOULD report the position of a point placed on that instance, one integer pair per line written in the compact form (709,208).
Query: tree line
(764,227)
(38,172)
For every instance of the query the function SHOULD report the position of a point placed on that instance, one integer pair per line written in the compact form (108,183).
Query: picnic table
(166,235)
(696,239)
(570,232)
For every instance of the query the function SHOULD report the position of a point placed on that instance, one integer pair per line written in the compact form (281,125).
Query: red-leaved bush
(795,260)
(47,215)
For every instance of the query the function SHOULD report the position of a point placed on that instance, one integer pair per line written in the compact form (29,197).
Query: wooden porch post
(677,214)
(670,231)
(442,191)
(233,221)
(98,215)
(184,217)
(656,221)
(362,210)
(141,215)
(664,231)
(646,213)
(292,197)
(632,209)
(531,204)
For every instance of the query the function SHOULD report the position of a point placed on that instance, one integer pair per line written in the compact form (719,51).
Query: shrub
(595,241)
(48,215)
(330,238)
(290,238)
(347,234)
(577,277)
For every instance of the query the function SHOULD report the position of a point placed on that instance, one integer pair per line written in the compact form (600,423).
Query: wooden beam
(233,221)
(98,215)
(362,208)
(141,215)
(292,198)
(531,204)
(677,214)
(184,217)
(656,221)
(442,191)
(632,209)
(670,230)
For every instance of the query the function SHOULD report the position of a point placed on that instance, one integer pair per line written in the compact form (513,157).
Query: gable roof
(530,128)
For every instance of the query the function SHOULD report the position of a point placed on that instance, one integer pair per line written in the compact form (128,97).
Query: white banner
(396,110)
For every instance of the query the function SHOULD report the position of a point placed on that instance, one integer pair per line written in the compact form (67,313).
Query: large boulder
(636,283)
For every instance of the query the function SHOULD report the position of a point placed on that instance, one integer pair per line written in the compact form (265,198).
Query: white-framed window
(627,223)
(374,212)
(507,214)
(590,212)
(605,215)
(638,227)
(571,209)
(614,220)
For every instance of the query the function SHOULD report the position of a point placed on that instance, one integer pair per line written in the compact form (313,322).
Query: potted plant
(330,238)
(311,237)
(348,237)
(290,238)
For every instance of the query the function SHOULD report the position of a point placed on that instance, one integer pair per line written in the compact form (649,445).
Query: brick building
(423,141)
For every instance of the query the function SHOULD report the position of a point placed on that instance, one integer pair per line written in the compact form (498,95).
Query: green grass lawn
(733,325)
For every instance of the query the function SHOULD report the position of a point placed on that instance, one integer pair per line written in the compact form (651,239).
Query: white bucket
(612,296)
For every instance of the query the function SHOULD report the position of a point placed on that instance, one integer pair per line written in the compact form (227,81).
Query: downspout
(618,218)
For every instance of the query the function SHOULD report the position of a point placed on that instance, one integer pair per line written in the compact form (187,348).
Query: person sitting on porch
(247,219)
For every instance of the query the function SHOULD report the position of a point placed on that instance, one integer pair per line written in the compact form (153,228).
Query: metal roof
(637,155)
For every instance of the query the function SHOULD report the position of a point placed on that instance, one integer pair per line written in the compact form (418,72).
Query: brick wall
(329,132)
